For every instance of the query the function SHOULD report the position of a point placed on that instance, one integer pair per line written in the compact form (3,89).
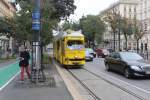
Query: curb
(71,88)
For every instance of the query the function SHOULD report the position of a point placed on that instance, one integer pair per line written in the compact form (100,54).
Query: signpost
(37,73)
(36,16)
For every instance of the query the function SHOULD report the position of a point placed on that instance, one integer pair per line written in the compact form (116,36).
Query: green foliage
(20,27)
(64,8)
(46,59)
(7,27)
(73,26)
(92,27)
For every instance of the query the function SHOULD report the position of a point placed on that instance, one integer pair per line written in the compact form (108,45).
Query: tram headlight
(76,56)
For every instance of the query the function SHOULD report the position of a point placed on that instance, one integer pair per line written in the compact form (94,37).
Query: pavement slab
(53,89)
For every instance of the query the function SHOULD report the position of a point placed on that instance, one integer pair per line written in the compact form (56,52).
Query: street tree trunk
(126,43)
(114,41)
(137,45)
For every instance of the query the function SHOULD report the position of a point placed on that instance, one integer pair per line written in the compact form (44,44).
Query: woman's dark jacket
(25,61)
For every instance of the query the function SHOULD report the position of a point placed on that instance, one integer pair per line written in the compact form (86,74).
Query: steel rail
(122,88)
(95,97)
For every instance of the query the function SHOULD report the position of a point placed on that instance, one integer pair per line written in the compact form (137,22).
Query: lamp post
(37,73)
(146,47)
(119,31)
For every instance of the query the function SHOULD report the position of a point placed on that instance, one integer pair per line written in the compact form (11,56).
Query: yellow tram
(69,48)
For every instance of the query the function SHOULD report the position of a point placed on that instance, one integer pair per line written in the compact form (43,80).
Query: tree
(138,33)
(7,26)
(71,25)
(52,12)
(93,28)
(64,8)
(126,27)
(113,20)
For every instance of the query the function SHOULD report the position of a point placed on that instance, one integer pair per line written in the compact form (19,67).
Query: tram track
(122,88)
(95,97)
(93,93)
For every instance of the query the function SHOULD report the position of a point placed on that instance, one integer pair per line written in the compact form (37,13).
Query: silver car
(89,55)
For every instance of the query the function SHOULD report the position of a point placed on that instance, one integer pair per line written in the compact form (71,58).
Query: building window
(129,9)
(145,27)
(125,9)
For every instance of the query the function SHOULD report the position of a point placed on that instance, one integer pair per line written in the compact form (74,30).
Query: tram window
(58,45)
(75,44)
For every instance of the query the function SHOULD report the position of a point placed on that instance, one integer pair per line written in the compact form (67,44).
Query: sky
(94,7)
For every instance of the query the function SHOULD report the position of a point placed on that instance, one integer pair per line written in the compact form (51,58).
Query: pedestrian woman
(24,63)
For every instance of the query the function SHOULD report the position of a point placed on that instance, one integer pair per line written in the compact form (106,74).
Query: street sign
(36,16)
(36,27)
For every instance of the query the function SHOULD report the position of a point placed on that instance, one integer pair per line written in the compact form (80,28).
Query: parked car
(110,50)
(102,53)
(129,63)
(89,54)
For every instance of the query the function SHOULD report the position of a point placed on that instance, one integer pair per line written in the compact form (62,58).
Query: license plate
(76,63)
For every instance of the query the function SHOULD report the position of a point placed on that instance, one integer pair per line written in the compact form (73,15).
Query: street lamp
(119,31)
(37,73)
(146,47)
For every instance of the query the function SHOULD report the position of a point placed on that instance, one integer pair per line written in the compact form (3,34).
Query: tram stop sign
(36,16)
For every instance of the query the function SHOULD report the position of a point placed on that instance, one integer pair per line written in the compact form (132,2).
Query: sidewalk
(53,89)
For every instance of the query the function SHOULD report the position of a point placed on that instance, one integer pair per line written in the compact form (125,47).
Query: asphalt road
(97,67)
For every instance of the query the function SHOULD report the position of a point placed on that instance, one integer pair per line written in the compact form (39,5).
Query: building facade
(126,9)
(6,10)
(143,13)
(131,9)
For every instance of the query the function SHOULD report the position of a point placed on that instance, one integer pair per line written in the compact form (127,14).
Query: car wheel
(107,67)
(127,73)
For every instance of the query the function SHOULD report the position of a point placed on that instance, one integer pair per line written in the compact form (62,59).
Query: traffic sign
(36,15)
(36,27)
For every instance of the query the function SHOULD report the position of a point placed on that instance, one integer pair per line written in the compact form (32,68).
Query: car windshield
(129,56)
(89,50)
(75,44)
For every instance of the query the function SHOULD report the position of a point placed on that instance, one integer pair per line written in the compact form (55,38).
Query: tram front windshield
(75,45)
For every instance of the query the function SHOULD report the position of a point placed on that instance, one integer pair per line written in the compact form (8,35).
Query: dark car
(129,63)
(110,50)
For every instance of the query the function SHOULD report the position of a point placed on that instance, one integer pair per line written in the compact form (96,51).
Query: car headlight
(136,68)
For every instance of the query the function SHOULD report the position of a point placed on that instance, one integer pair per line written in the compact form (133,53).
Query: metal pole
(114,41)
(119,35)
(36,47)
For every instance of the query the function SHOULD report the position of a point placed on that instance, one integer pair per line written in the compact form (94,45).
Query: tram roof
(65,34)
